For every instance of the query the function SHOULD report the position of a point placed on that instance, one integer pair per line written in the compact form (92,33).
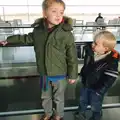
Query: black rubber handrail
(23,45)
(110,25)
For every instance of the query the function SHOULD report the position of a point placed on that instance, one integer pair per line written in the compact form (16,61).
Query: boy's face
(54,14)
(98,47)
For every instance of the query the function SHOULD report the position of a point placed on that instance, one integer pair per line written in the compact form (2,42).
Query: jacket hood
(66,23)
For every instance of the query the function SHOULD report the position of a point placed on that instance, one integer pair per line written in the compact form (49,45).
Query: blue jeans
(90,97)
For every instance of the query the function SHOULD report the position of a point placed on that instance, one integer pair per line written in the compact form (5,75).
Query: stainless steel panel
(24,94)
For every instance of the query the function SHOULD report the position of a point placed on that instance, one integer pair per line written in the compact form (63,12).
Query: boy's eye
(61,13)
(53,11)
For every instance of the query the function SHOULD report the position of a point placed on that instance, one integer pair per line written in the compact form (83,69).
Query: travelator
(19,80)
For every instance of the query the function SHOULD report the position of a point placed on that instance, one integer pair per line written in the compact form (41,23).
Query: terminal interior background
(18,92)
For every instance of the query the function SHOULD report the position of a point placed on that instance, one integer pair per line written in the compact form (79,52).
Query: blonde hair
(47,3)
(108,38)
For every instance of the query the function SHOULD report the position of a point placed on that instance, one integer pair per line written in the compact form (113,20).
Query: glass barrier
(29,11)
(19,80)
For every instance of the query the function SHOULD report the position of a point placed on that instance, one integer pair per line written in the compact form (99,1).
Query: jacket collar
(66,23)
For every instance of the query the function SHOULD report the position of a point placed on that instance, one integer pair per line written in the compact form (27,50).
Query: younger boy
(98,74)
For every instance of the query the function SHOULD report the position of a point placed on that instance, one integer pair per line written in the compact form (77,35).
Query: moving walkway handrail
(21,45)
(29,26)
(40,111)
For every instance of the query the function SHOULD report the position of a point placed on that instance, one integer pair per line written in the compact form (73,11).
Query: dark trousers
(90,97)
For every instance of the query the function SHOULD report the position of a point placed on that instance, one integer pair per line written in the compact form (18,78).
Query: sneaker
(57,118)
(80,116)
(91,118)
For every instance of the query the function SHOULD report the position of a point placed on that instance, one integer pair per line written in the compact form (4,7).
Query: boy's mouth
(57,20)
(93,49)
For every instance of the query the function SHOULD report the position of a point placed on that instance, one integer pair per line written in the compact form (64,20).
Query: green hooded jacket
(55,51)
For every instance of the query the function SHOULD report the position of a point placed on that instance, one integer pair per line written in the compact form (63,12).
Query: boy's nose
(58,14)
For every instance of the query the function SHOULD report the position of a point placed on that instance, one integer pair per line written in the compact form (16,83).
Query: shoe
(91,118)
(80,116)
(45,117)
(57,118)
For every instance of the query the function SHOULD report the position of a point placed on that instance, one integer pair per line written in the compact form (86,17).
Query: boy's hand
(71,81)
(3,42)
(97,93)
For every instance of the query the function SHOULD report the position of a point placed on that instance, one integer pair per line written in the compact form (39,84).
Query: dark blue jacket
(99,74)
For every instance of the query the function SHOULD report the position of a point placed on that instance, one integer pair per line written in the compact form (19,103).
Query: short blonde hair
(47,3)
(108,38)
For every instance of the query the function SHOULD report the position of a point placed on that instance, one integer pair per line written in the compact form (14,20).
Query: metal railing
(40,111)
(109,25)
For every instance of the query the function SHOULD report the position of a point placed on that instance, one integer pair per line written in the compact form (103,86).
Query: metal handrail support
(40,111)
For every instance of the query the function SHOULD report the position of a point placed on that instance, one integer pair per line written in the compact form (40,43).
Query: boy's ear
(44,13)
(106,49)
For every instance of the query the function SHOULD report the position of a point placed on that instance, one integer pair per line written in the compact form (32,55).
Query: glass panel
(1,10)
(92,2)
(85,12)
(35,9)
(92,9)
(35,2)
(68,2)
(14,10)
(13,2)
